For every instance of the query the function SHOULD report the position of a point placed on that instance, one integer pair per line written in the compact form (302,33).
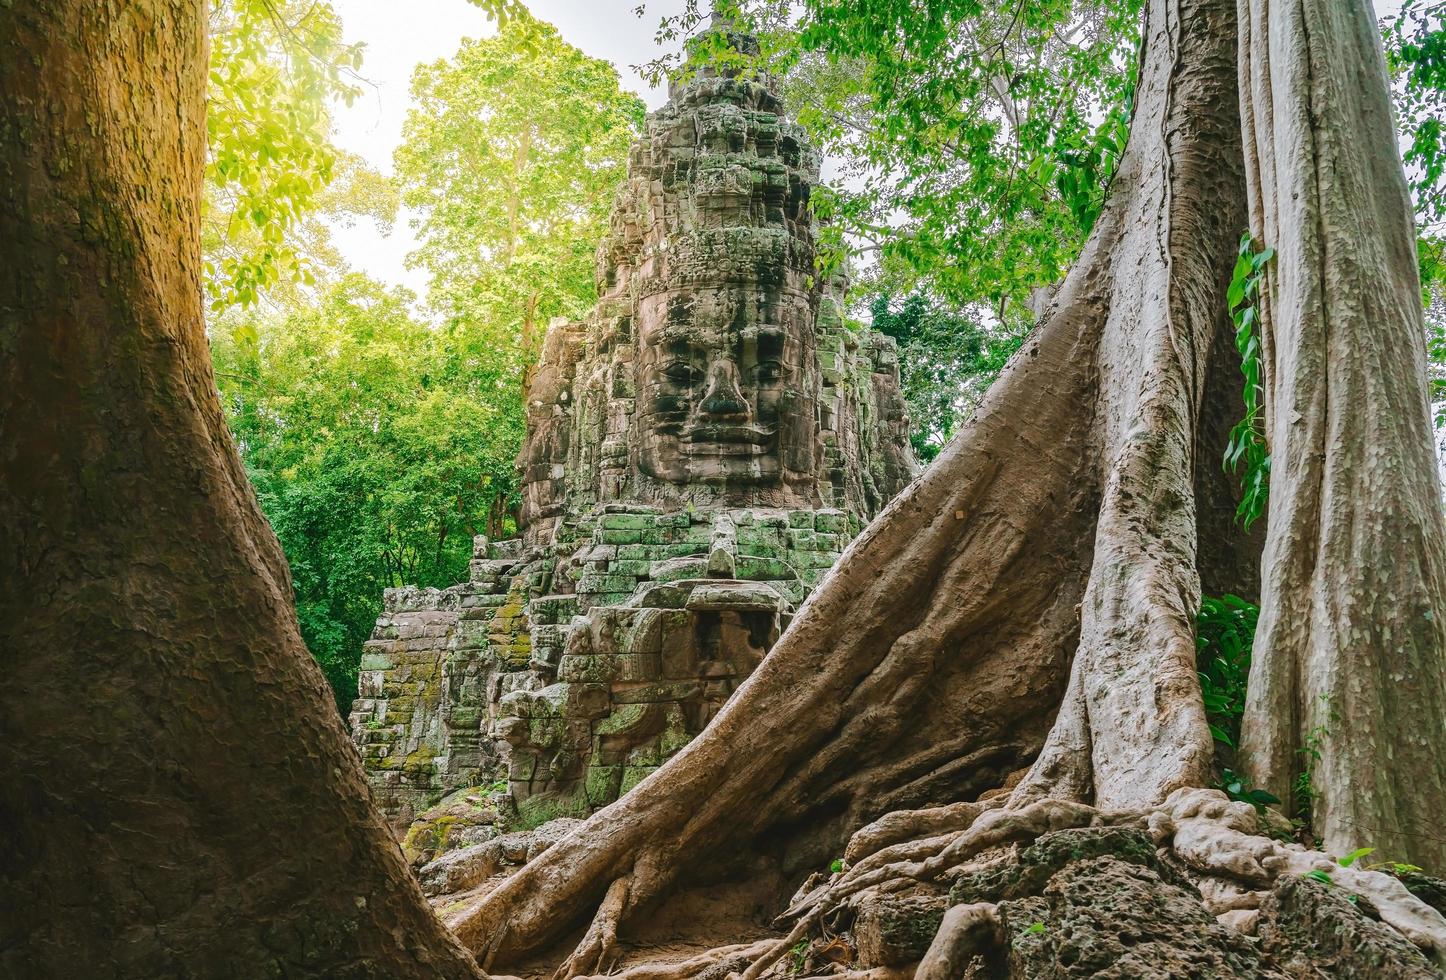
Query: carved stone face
(718,394)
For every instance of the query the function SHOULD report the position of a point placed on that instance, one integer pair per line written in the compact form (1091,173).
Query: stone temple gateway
(699,451)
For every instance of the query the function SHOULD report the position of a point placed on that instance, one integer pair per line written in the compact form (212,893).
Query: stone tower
(699,451)
(713,369)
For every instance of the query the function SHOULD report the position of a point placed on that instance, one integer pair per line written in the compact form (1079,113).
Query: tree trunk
(1351,647)
(179,797)
(928,664)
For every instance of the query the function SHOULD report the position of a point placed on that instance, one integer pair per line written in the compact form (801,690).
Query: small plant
(836,866)
(1235,787)
(798,954)
(1247,447)
(1032,929)
(1396,868)
(1224,633)
(1354,856)
(1324,877)
(1304,790)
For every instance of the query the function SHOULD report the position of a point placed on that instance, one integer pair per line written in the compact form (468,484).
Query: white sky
(399,36)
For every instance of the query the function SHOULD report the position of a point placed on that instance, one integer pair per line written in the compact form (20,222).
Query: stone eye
(679,372)
(769,371)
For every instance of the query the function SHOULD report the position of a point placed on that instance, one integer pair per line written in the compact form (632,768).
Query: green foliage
(377,445)
(1324,877)
(511,156)
(1416,52)
(947,359)
(836,866)
(976,140)
(1224,633)
(1351,858)
(1304,788)
(1247,448)
(276,68)
(1236,788)
(502,11)
(798,956)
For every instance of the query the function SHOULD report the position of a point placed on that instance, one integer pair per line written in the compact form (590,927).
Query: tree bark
(1351,646)
(179,797)
(928,664)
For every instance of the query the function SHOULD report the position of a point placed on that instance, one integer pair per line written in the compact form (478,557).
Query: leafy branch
(1247,448)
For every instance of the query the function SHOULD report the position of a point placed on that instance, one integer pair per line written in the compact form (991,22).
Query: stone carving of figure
(723,397)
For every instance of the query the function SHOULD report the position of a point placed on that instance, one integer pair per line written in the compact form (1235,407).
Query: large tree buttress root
(931,660)
(1350,656)
(179,796)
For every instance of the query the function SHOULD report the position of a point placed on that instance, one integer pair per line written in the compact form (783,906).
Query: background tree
(1416,54)
(277,66)
(511,157)
(947,361)
(180,798)
(380,443)
(377,450)
(974,154)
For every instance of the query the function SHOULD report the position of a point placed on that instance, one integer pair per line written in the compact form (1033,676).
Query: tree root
(1217,837)
(598,951)
(713,963)
(1211,835)
(993,828)
(903,826)
(966,930)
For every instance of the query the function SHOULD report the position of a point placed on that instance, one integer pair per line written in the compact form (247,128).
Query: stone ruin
(699,452)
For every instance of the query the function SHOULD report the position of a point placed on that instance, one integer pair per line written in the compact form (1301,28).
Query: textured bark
(179,796)
(930,660)
(1351,646)
(1132,727)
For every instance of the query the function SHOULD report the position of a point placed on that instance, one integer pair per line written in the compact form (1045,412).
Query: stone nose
(724,398)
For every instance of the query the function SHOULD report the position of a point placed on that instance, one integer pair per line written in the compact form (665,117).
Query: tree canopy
(381,433)
(511,157)
(377,451)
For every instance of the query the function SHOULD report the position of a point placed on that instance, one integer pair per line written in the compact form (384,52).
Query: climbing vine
(1224,633)
(1246,452)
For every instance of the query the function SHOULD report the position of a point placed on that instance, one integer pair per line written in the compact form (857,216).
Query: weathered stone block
(376,661)
(895,931)
(625,521)
(675,569)
(763,569)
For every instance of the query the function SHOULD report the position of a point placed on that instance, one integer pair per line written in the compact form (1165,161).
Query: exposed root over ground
(1187,880)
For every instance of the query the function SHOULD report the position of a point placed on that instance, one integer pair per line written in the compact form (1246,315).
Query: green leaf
(1354,856)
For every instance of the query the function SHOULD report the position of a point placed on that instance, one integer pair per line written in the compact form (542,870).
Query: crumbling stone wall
(699,452)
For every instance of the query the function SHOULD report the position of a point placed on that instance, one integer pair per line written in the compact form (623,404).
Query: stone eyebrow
(675,333)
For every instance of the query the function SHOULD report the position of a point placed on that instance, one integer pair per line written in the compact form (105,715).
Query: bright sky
(399,36)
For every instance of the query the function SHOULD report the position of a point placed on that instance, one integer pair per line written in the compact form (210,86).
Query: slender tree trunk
(929,662)
(179,797)
(1351,649)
